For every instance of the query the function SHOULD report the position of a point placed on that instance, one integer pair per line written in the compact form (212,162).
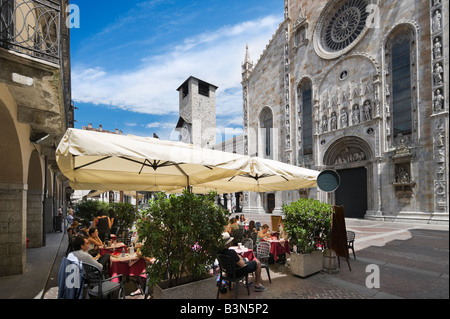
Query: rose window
(341,25)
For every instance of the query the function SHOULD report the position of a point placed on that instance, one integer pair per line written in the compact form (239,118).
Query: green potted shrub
(88,209)
(184,234)
(125,214)
(308,224)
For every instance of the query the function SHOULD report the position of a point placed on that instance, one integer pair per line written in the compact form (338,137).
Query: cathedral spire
(247,66)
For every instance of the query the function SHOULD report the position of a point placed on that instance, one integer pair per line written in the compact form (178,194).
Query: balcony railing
(31,27)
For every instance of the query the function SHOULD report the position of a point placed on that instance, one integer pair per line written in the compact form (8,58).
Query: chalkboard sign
(328,181)
(339,234)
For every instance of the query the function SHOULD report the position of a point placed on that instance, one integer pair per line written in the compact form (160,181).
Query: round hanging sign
(328,181)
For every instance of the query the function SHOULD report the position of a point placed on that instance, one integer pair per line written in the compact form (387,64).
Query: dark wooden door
(352,192)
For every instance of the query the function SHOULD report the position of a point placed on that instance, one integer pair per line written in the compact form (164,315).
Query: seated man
(244,266)
(81,246)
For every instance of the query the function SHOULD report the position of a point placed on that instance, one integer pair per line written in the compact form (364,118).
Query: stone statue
(367,109)
(436,23)
(437,74)
(438,101)
(437,49)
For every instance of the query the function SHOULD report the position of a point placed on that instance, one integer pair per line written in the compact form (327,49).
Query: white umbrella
(265,175)
(98,160)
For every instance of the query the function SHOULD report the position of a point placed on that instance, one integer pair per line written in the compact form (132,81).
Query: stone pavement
(413,263)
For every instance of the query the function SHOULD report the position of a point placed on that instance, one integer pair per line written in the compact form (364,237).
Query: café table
(244,252)
(130,265)
(278,247)
(114,248)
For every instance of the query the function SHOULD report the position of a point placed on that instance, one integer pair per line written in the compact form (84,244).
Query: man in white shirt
(81,246)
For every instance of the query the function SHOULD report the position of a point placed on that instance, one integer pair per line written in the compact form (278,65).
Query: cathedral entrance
(352,192)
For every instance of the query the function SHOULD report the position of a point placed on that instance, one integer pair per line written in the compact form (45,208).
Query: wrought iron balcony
(31,27)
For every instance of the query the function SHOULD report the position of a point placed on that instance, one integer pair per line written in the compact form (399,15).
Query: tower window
(203,88)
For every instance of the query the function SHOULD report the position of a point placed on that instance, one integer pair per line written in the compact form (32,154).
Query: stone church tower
(360,87)
(197,121)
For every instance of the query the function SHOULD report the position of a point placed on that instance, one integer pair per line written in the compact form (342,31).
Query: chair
(263,254)
(98,286)
(238,235)
(253,236)
(70,244)
(350,242)
(247,243)
(228,272)
(70,280)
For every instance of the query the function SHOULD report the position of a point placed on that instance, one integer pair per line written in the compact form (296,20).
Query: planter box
(304,265)
(201,289)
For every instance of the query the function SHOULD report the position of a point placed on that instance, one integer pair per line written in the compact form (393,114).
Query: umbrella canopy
(97,160)
(265,175)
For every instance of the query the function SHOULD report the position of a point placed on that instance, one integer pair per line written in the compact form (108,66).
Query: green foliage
(89,209)
(308,223)
(126,214)
(183,233)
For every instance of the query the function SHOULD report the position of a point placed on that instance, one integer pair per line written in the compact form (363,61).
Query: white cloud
(214,56)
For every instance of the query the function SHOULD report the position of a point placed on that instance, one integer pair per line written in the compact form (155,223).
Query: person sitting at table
(140,281)
(94,242)
(242,219)
(81,246)
(283,234)
(263,233)
(73,229)
(233,225)
(245,267)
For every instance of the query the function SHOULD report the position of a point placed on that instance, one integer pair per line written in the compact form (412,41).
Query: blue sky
(129,57)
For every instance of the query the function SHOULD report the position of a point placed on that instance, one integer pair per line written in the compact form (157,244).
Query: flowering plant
(183,233)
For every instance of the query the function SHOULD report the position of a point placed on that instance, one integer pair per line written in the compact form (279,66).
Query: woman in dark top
(103,224)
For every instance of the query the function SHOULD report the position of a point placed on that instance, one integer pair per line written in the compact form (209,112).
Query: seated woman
(94,242)
(73,229)
(263,233)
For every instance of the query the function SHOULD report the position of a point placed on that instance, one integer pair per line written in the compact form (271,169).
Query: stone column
(13,206)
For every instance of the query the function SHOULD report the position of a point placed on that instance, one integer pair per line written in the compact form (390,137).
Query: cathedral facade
(359,87)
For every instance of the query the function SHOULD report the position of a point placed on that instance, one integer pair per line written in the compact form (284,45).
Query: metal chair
(228,272)
(247,243)
(253,236)
(263,254)
(98,286)
(351,241)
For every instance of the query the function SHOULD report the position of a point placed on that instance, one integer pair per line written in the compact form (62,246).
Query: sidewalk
(413,260)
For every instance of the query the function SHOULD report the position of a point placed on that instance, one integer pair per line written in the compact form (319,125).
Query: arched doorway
(12,195)
(351,157)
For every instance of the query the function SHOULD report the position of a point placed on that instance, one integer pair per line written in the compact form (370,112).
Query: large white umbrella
(265,175)
(98,160)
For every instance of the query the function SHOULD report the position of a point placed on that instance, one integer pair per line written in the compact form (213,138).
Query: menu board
(339,234)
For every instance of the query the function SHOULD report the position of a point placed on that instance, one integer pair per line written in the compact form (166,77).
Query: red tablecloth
(278,247)
(134,267)
(248,253)
(116,248)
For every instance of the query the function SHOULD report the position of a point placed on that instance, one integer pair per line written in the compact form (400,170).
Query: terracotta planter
(201,289)
(304,265)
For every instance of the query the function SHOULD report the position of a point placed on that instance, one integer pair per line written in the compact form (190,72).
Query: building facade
(360,87)
(35,111)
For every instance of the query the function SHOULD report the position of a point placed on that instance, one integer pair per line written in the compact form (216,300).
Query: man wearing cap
(245,266)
